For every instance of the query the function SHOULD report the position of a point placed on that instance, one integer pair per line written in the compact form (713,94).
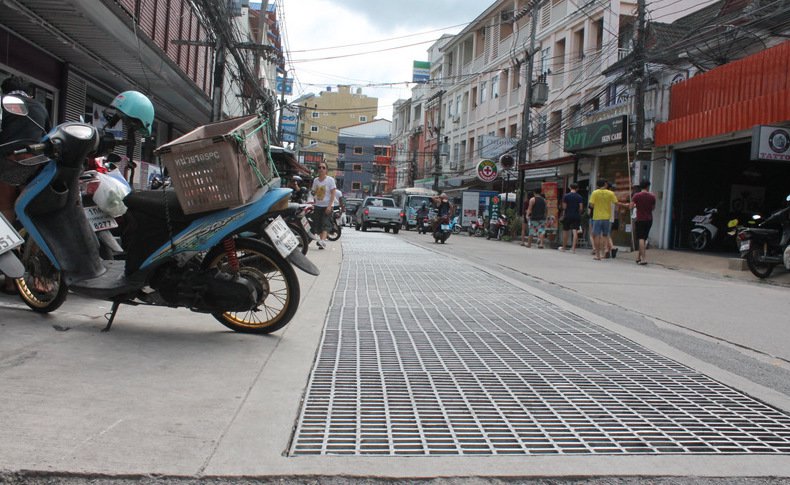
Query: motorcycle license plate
(282,237)
(744,245)
(306,226)
(99,220)
(698,219)
(9,238)
(445,227)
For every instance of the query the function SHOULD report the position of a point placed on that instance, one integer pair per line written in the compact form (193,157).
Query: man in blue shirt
(572,207)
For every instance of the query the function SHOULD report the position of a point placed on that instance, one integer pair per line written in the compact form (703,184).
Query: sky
(389,35)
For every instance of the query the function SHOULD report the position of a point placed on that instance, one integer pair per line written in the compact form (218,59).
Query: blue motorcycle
(200,261)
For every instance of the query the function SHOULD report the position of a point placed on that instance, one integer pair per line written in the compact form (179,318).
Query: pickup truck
(378,212)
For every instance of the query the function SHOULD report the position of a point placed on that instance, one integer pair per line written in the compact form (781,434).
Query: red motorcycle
(477,228)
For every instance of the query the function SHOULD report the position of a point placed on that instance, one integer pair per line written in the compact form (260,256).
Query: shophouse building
(322,117)
(482,75)
(364,158)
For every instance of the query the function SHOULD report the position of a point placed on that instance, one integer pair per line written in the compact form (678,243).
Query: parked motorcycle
(197,261)
(768,244)
(443,230)
(498,229)
(333,234)
(456,226)
(477,228)
(710,229)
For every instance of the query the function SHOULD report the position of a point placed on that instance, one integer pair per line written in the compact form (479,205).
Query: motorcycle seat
(762,231)
(152,204)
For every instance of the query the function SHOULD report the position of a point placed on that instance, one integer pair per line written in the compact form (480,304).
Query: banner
(551,195)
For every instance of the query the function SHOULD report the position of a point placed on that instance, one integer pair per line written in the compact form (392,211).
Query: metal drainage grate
(404,369)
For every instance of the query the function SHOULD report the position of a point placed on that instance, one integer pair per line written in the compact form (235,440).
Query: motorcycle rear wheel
(43,287)
(759,269)
(277,284)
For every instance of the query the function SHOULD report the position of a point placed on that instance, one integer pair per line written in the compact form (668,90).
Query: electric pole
(526,134)
(639,73)
(437,161)
(282,108)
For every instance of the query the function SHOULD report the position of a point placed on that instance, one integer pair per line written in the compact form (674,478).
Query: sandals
(640,262)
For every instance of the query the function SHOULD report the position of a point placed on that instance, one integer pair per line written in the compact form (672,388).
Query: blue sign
(289,84)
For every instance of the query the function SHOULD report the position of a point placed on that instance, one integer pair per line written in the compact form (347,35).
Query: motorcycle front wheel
(699,240)
(334,231)
(43,287)
(760,269)
(275,280)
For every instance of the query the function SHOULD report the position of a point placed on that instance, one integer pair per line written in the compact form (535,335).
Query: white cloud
(310,26)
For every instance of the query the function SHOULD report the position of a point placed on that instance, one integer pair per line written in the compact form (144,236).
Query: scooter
(456,227)
(768,244)
(333,234)
(198,261)
(443,230)
(477,228)
(708,231)
(498,229)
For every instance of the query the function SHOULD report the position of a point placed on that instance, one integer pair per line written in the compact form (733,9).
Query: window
(357,167)
(314,129)
(542,128)
(381,151)
(544,60)
(357,150)
(315,114)
(495,87)
(363,119)
(483,92)
(356,185)
(474,97)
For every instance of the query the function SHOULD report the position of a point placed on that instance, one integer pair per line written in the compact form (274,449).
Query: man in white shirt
(323,189)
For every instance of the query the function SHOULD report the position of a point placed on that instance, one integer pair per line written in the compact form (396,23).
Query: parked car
(352,204)
(378,212)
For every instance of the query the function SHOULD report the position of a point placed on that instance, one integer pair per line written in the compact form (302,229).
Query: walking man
(536,213)
(645,202)
(324,193)
(602,202)
(572,206)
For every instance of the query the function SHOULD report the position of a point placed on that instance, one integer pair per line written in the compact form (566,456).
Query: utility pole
(639,76)
(437,156)
(219,76)
(526,134)
(282,108)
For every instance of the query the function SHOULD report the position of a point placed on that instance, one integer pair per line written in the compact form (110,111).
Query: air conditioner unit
(453,166)
(506,15)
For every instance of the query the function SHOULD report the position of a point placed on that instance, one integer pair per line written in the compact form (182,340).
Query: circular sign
(779,141)
(507,161)
(486,170)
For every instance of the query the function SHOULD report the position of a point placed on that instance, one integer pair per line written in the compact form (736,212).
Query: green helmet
(137,107)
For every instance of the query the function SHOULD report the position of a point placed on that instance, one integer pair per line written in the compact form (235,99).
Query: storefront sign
(493,209)
(600,134)
(421,72)
(770,143)
(487,170)
(494,146)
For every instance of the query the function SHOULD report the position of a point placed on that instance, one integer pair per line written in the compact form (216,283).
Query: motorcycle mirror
(15,105)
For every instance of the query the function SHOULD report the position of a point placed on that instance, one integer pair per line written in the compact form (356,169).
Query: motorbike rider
(422,213)
(340,204)
(294,184)
(443,209)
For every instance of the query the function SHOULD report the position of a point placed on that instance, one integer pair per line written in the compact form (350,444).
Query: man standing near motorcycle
(645,202)
(324,193)
(31,128)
